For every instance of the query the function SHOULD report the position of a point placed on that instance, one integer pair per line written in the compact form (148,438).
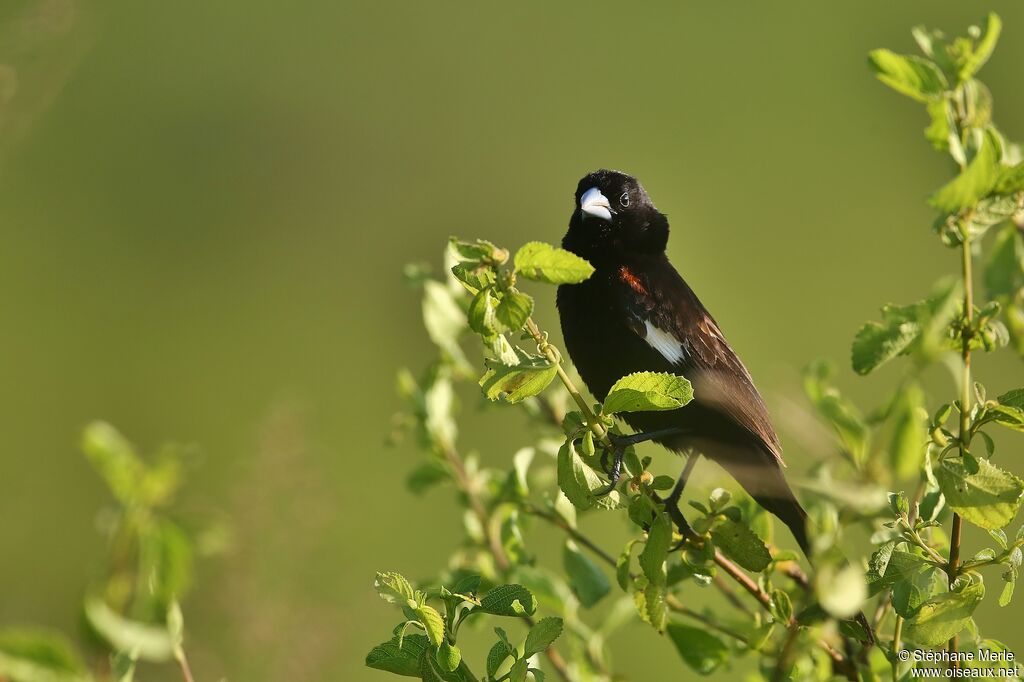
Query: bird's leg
(618,448)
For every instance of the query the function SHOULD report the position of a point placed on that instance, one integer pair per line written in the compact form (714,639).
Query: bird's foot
(614,470)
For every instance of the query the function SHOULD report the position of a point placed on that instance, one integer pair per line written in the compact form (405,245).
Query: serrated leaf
(910,593)
(542,635)
(586,578)
(151,642)
(481,313)
(393,587)
(910,75)
(921,324)
(650,605)
(942,617)
(740,544)
(700,650)
(578,481)
(515,383)
(889,565)
(509,600)
(545,263)
(432,622)
(513,310)
(448,656)
(988,499)
(402,660)
(473,278)
(496,656)
(975,182)
(648,392)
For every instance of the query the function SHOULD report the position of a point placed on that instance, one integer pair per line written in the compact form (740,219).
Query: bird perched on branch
(637,314)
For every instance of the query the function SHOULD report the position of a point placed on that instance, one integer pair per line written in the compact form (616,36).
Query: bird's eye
(624,199)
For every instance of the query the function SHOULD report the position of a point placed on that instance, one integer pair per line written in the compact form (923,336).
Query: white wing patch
(665,343)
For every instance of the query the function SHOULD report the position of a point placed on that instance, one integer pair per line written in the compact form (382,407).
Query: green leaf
(1011,179)
(741,545)
(513,310)
(923,322)
(889,565)
(843,415)
(989,498)
(30,654)
(1004,272)
(114,459)
(443,318)
(481,313)
(426,475)
(942,617)
(912,76)
(401,660)
(151,642)
(578,481)
(432,622)
(542,635)
(908,444)
(176,628)
(509,600)
(910,594)
(519,670)
(938,131)
(545,263)
(474,278)
(841,591)
(448,656)
(975,182)
(517,382)
(648,392)
(122,666)
(393,587)
(659,540)
(496,656)
(700,650)
(1013,398)
(650,605)
(1009,580)
(588,582)
(622,564)
(472,252)
(983,50)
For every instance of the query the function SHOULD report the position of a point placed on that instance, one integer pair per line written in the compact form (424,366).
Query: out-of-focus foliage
(131,612)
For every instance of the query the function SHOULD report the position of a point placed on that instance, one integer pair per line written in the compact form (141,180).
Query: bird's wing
(666,313)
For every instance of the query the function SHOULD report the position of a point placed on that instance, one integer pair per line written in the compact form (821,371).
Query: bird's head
(613,218)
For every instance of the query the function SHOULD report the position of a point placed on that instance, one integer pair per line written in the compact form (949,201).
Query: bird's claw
(614,471)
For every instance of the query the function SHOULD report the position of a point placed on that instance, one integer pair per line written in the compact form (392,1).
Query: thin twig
(493,543)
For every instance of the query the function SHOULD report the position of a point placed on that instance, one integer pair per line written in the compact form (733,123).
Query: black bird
(637,314)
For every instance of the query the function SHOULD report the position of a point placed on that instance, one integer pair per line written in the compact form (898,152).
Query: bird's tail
(762,478)
(765,482)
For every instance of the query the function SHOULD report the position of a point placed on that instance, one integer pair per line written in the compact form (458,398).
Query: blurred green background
(205,208)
